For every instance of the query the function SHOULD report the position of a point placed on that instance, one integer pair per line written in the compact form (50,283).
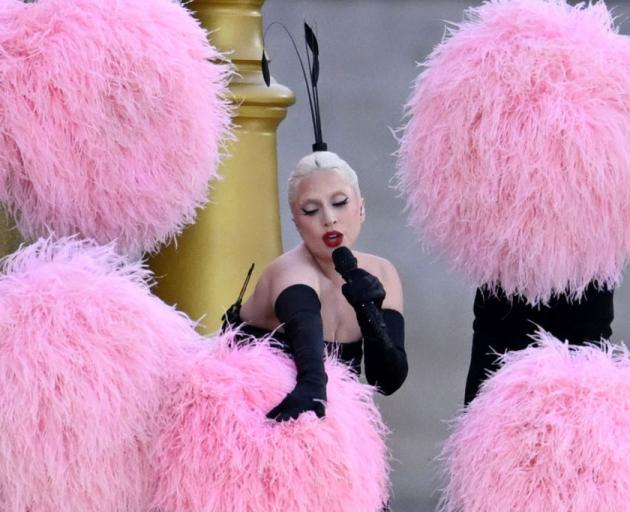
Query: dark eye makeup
(337,204)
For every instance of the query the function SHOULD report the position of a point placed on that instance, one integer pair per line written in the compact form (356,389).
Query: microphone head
(344,260)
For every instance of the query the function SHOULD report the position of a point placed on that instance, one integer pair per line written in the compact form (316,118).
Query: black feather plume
(310,79)
(311,43)
(315,71)
(264,65)
(311,40)
(313,46)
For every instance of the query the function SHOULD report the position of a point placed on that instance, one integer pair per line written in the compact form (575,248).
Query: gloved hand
(361,288)
(301,399)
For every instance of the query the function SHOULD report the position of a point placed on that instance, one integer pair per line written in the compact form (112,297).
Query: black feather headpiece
(310,79)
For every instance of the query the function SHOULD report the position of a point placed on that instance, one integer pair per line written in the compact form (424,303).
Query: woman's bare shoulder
(377,265)
(293,267)
(286,270)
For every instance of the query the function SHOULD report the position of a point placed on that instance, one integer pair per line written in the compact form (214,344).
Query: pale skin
(324,202)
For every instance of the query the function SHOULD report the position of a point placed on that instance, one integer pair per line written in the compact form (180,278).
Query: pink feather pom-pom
(85,354)
(515,159)
(218,451)
(112,118)
(549,431)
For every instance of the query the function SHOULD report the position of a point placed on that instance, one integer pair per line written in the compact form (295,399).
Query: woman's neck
(325,265)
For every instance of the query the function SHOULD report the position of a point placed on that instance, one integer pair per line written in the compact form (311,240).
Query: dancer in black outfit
(502,324)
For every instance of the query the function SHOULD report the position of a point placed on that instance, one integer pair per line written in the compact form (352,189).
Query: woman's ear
(362,209)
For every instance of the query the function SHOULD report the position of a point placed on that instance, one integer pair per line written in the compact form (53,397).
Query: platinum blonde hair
(320,161)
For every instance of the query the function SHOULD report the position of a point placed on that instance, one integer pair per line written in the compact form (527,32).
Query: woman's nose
(330,218)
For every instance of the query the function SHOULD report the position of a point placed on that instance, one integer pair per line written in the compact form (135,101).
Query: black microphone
(345,263)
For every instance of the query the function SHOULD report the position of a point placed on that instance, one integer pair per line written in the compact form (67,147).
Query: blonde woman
(306,302)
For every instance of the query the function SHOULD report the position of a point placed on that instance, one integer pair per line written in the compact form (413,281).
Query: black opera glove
(385,357)
(383,332)
(298,307)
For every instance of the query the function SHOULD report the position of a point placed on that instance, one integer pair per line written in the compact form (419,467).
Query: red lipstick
(332,239)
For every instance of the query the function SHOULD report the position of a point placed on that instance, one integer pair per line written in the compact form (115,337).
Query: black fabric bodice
(349,353)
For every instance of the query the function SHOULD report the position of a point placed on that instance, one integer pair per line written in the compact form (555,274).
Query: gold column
(203,272)
(10,238)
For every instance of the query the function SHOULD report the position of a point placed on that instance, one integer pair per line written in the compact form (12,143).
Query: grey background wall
(369,50)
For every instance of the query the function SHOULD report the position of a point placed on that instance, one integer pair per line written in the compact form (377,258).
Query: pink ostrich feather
(549,431)
(515,157)
(85,354)
(218,451)
(112,118)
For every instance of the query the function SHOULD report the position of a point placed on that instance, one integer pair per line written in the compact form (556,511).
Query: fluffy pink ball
(112,114)
(85,351)
(218,452)
(549,431)
(515,160)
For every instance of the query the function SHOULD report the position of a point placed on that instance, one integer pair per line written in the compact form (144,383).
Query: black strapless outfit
(350,353)
(381,349)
